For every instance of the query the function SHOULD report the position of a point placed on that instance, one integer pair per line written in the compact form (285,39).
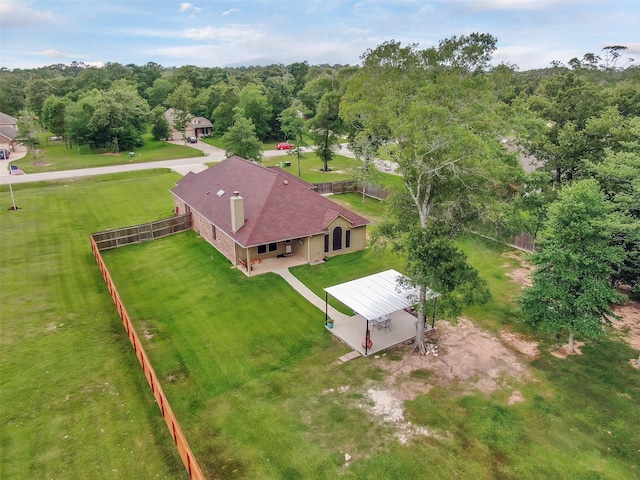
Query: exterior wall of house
(180,207)
(221,241)
(357,241)
(311,249)
(177,135)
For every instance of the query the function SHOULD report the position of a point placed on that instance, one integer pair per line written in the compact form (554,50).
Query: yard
(56,157)
(251,372)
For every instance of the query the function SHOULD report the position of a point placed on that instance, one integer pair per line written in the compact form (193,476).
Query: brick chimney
(237,212)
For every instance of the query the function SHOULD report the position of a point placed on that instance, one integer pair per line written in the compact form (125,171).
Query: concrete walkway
(302,289)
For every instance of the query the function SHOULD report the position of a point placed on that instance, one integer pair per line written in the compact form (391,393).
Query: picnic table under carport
(385,294)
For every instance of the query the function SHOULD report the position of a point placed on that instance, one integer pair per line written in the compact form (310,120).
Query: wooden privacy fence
(524,241)
(375,191)
(179,439)
(344,186)
(142,233)
(348,186)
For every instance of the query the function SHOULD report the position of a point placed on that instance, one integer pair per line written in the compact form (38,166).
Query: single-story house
(249,213)
(197,126)
(8,132)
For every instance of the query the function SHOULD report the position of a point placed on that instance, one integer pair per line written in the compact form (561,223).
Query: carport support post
(366,339)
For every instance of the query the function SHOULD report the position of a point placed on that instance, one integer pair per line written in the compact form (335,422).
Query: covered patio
(381,304)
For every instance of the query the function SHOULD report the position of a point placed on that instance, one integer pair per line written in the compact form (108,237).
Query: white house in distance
(8,132)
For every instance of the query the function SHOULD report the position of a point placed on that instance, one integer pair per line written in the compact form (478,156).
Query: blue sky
(531,33)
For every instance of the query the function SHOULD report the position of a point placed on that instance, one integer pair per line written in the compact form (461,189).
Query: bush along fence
(145,232)
(188,459)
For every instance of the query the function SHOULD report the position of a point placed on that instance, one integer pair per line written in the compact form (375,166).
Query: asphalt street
(181,165)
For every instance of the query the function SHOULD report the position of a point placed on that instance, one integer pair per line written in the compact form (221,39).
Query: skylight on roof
(220,193)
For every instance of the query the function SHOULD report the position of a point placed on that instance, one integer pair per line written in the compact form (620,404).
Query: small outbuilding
(383,311)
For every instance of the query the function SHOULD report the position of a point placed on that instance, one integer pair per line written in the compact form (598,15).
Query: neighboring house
(249,212)
(197,127)
(8,132)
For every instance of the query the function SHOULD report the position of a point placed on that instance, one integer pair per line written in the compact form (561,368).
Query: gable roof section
(196,122)
(378,294)
(8,120)
(277,207)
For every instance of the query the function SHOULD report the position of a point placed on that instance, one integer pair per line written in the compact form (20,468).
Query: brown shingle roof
(277,205)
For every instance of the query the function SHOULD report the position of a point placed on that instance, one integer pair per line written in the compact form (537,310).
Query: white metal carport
(375,296)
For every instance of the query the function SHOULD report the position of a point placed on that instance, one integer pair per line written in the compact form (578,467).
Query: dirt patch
(563,350)
(467,356)
(521,274)
(629,325)
(516,397)
(384,405)
(41,163)
(520,343)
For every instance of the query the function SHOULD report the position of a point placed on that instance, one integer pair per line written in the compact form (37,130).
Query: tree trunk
(570,348)
(418,344)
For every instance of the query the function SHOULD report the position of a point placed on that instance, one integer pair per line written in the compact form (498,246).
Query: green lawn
(73,401)
(249,368)
(54,158)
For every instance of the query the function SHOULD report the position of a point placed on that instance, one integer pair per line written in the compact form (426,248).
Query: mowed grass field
(249,368)
(73,402)
(55,156)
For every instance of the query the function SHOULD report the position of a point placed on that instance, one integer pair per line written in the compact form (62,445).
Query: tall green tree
(294,126)
(223,112)
(160,127)
(26,130)
(563,104)
(181,100)
(53,113)
(158,92)
(77,120)
(241,140)
(365,146)
(118,118)
(438,118)
(38,89)
(254,104)
(325,127)
(578,254)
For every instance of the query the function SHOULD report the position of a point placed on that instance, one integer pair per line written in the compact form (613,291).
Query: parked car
(4,154)
(192,139)
(284,146)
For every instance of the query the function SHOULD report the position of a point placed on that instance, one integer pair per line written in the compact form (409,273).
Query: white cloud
(506,5)
(230,11)
(18,14)
(50,52)
(230,33)
(188,7)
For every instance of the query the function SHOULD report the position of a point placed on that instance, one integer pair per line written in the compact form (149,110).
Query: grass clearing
(53,158)
(73,401)
(249,368)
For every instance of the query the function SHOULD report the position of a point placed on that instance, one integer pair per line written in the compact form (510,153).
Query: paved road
(181,165)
